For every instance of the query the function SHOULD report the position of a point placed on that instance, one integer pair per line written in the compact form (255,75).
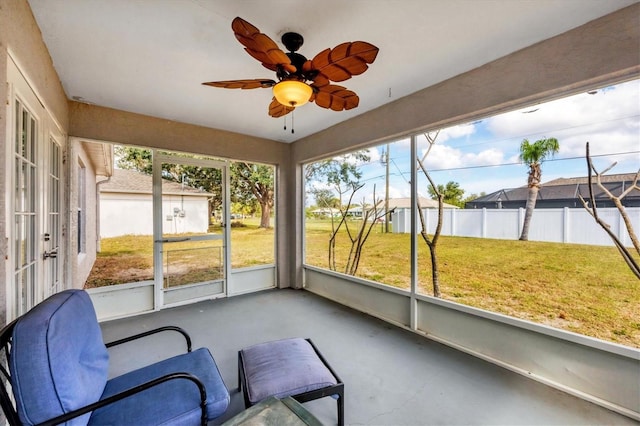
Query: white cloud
(444,135)
(446,157)
(456,132)
(404,192)
(608,119)
(374,153)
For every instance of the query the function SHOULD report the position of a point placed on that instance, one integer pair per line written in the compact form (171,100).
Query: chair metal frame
(8,406)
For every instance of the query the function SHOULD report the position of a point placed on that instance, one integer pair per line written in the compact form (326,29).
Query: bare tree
(357,237)
(343,221)
(433,240)
(617,201)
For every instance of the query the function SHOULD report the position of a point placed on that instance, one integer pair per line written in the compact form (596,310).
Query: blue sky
(483,155)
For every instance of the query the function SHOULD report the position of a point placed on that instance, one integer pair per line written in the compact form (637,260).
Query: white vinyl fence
(563,225)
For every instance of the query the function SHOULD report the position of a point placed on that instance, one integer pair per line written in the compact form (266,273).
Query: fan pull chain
(285,123)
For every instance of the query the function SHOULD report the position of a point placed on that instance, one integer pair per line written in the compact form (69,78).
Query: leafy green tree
(341,173)
(133,158)
(325,198)
(451,193)
(254,182)
(472,197)
(341,170)
(533,155)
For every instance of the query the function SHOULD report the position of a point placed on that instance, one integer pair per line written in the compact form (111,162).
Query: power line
(399,171)
(519,163)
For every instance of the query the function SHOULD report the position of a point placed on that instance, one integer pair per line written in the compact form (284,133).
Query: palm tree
(533,154)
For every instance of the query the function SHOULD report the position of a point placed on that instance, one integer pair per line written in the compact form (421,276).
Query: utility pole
(386,194)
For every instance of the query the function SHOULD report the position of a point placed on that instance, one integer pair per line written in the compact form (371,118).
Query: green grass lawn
(585,289)
(130,258)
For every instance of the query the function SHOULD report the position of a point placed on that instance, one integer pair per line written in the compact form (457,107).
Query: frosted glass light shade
(292,93)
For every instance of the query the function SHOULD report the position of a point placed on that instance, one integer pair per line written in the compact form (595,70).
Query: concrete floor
(391,376)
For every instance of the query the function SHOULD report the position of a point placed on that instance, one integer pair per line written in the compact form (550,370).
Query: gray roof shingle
(133,181)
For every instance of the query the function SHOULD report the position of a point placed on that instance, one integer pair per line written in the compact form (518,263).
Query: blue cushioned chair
(58,365)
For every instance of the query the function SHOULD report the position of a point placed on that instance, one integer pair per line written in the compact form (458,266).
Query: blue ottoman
(290,367)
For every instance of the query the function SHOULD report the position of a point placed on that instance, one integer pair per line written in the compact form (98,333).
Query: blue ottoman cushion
(283,368)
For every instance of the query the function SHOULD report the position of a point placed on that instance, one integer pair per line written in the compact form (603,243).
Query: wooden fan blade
(260,46)
(276,109)
(345,60)
(318,79)
(335,97)
(242,84)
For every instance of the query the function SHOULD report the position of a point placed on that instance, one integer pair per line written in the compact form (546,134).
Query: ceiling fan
(301,80)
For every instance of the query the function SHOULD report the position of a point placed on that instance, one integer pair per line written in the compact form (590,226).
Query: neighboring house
(325,212)
(126,206)
(425,203)
(562,192)
(395,204)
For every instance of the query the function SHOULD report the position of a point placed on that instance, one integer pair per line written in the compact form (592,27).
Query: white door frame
(158,159)
(46,130)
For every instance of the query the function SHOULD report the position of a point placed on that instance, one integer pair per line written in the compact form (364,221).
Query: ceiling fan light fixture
(292,93)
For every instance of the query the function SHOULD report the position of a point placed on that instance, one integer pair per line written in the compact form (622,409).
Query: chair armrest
(154,331)
(125,394)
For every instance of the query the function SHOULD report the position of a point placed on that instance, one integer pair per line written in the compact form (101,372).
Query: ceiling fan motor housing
(292,41)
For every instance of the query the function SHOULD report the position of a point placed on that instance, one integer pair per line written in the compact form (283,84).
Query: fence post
(483,233)
(427,221)
(565,225)
(622,235)
(453,222)
(520,221)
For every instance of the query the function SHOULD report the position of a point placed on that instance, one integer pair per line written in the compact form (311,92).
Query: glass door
(35,252)
(26,190)
(190,235)
(52,225)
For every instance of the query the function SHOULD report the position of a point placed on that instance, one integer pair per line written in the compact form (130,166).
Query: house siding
(82,262)
(131,214)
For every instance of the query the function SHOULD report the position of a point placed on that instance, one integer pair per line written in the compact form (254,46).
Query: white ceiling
(151,56)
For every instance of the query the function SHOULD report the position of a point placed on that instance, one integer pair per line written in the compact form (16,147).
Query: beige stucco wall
(20,36)
(106,124)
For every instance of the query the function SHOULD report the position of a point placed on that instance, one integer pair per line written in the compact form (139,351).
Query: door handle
(173,240)
(50,254)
